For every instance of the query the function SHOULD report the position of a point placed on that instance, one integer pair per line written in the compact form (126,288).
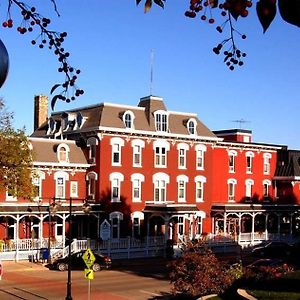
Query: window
(137,180)
(60,184)
(160,181)
(37,182)
(137,146)
(231,155)
(73,189)
(267,163)
(231,189)
(249,162)
(266,188)
(92,145)
(191,126)
(180,225)
(91,181)
(116,144)
(200,180)
(182,149)
(63,153)
(200,215)
(200,149)
(249,187)
(161,121)
(10,195)
(181,182)
(116,179)
(115,219)
(128,118)
(160,154)
(136,219)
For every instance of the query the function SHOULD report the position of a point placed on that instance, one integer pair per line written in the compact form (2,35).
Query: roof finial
(151,71)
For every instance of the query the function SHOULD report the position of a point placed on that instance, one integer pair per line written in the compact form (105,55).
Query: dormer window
(63,153)
(161,121)
(51,126)
(128,118)
(191,126)
(79,120)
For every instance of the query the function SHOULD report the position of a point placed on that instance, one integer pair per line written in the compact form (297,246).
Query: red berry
(203,17)
(4,24)
(211,21)
(223,13)
(244,13)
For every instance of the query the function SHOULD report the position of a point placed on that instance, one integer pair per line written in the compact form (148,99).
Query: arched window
(199,181)
(160,181)
(136,180)
(136,219)
(231,189)
(137,146)
(249,188)
(266,188)
(161,120)
(200,150)
(115,179)
(63,153)
(249,162)
(115,219)
(182,150)
(267,162)
(191,126)
(91,178)
(37,178)
(128,118)
(116,146)
(92,144)
(231,160)
(60,178)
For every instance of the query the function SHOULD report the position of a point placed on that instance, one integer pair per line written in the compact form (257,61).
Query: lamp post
(87,209)
(69,283)
(52,210)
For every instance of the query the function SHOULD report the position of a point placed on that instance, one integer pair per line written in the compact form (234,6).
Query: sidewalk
(22,265)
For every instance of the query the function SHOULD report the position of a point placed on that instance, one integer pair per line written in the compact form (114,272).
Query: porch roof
(248,207)
(171,208)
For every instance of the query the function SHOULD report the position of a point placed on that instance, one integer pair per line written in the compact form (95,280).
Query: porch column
(266,227)
(17,238)
(167,229)
(225,223)
(252,229)
(64,230)
(239,224)
(41,231)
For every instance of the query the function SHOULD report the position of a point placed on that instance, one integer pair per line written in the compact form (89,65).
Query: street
(138,281)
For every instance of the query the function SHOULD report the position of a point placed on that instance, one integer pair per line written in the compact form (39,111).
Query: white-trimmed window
(37,179)
(137,218)
(116,147)
(137,146)
(161,147)
(115,219)
(199,181)
(136,180)
(182,149)
(60,184)
(160,181)
(267,163)
(63,151)
(181,183)
(231,183)
(199,216)
(74,189)
(9,196)
(200,150)
(231,159)
(115,179)
(91,178)
(92,144)
(128,118)
(249,188)
(191,126)
(249,162)
(266,188)
(161,120)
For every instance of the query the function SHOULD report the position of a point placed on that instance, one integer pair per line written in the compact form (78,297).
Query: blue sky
(111,42)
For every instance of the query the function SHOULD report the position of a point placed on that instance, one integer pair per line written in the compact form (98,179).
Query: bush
(198,272)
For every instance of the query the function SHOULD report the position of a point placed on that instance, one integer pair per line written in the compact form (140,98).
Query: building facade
(147,171)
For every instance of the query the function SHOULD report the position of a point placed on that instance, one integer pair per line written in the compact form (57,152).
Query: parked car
(272,249)
(77,262)
(265,262)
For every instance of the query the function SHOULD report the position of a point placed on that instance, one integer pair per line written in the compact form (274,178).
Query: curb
(244,294)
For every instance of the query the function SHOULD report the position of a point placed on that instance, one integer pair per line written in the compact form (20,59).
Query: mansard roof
(108,116)
(45,152)
(288,164)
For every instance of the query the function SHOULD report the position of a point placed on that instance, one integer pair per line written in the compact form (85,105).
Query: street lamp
(87,209)
(52,210)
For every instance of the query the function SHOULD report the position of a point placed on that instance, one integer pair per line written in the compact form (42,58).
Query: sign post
(89,259)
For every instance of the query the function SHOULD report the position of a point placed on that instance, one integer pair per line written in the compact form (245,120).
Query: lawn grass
(264,295)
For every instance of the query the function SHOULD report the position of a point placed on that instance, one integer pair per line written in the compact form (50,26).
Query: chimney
(40,110)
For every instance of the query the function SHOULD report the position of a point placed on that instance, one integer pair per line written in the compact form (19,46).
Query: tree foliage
(198,272)
(225,12)
(15,158)
(30,21)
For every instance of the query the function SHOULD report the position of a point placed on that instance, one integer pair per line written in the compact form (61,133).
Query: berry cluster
(229,8)
(54,40)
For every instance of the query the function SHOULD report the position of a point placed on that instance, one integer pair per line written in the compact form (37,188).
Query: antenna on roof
(240,122)
(151,70)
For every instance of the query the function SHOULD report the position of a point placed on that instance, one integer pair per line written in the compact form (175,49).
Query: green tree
(15,158)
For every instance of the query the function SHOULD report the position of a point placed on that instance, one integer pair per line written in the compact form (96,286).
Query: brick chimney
(40,110)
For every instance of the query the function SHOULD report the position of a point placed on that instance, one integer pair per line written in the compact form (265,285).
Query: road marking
(150,293)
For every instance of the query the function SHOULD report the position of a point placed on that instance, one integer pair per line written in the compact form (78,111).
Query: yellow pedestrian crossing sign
(88,257)
(89,274)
